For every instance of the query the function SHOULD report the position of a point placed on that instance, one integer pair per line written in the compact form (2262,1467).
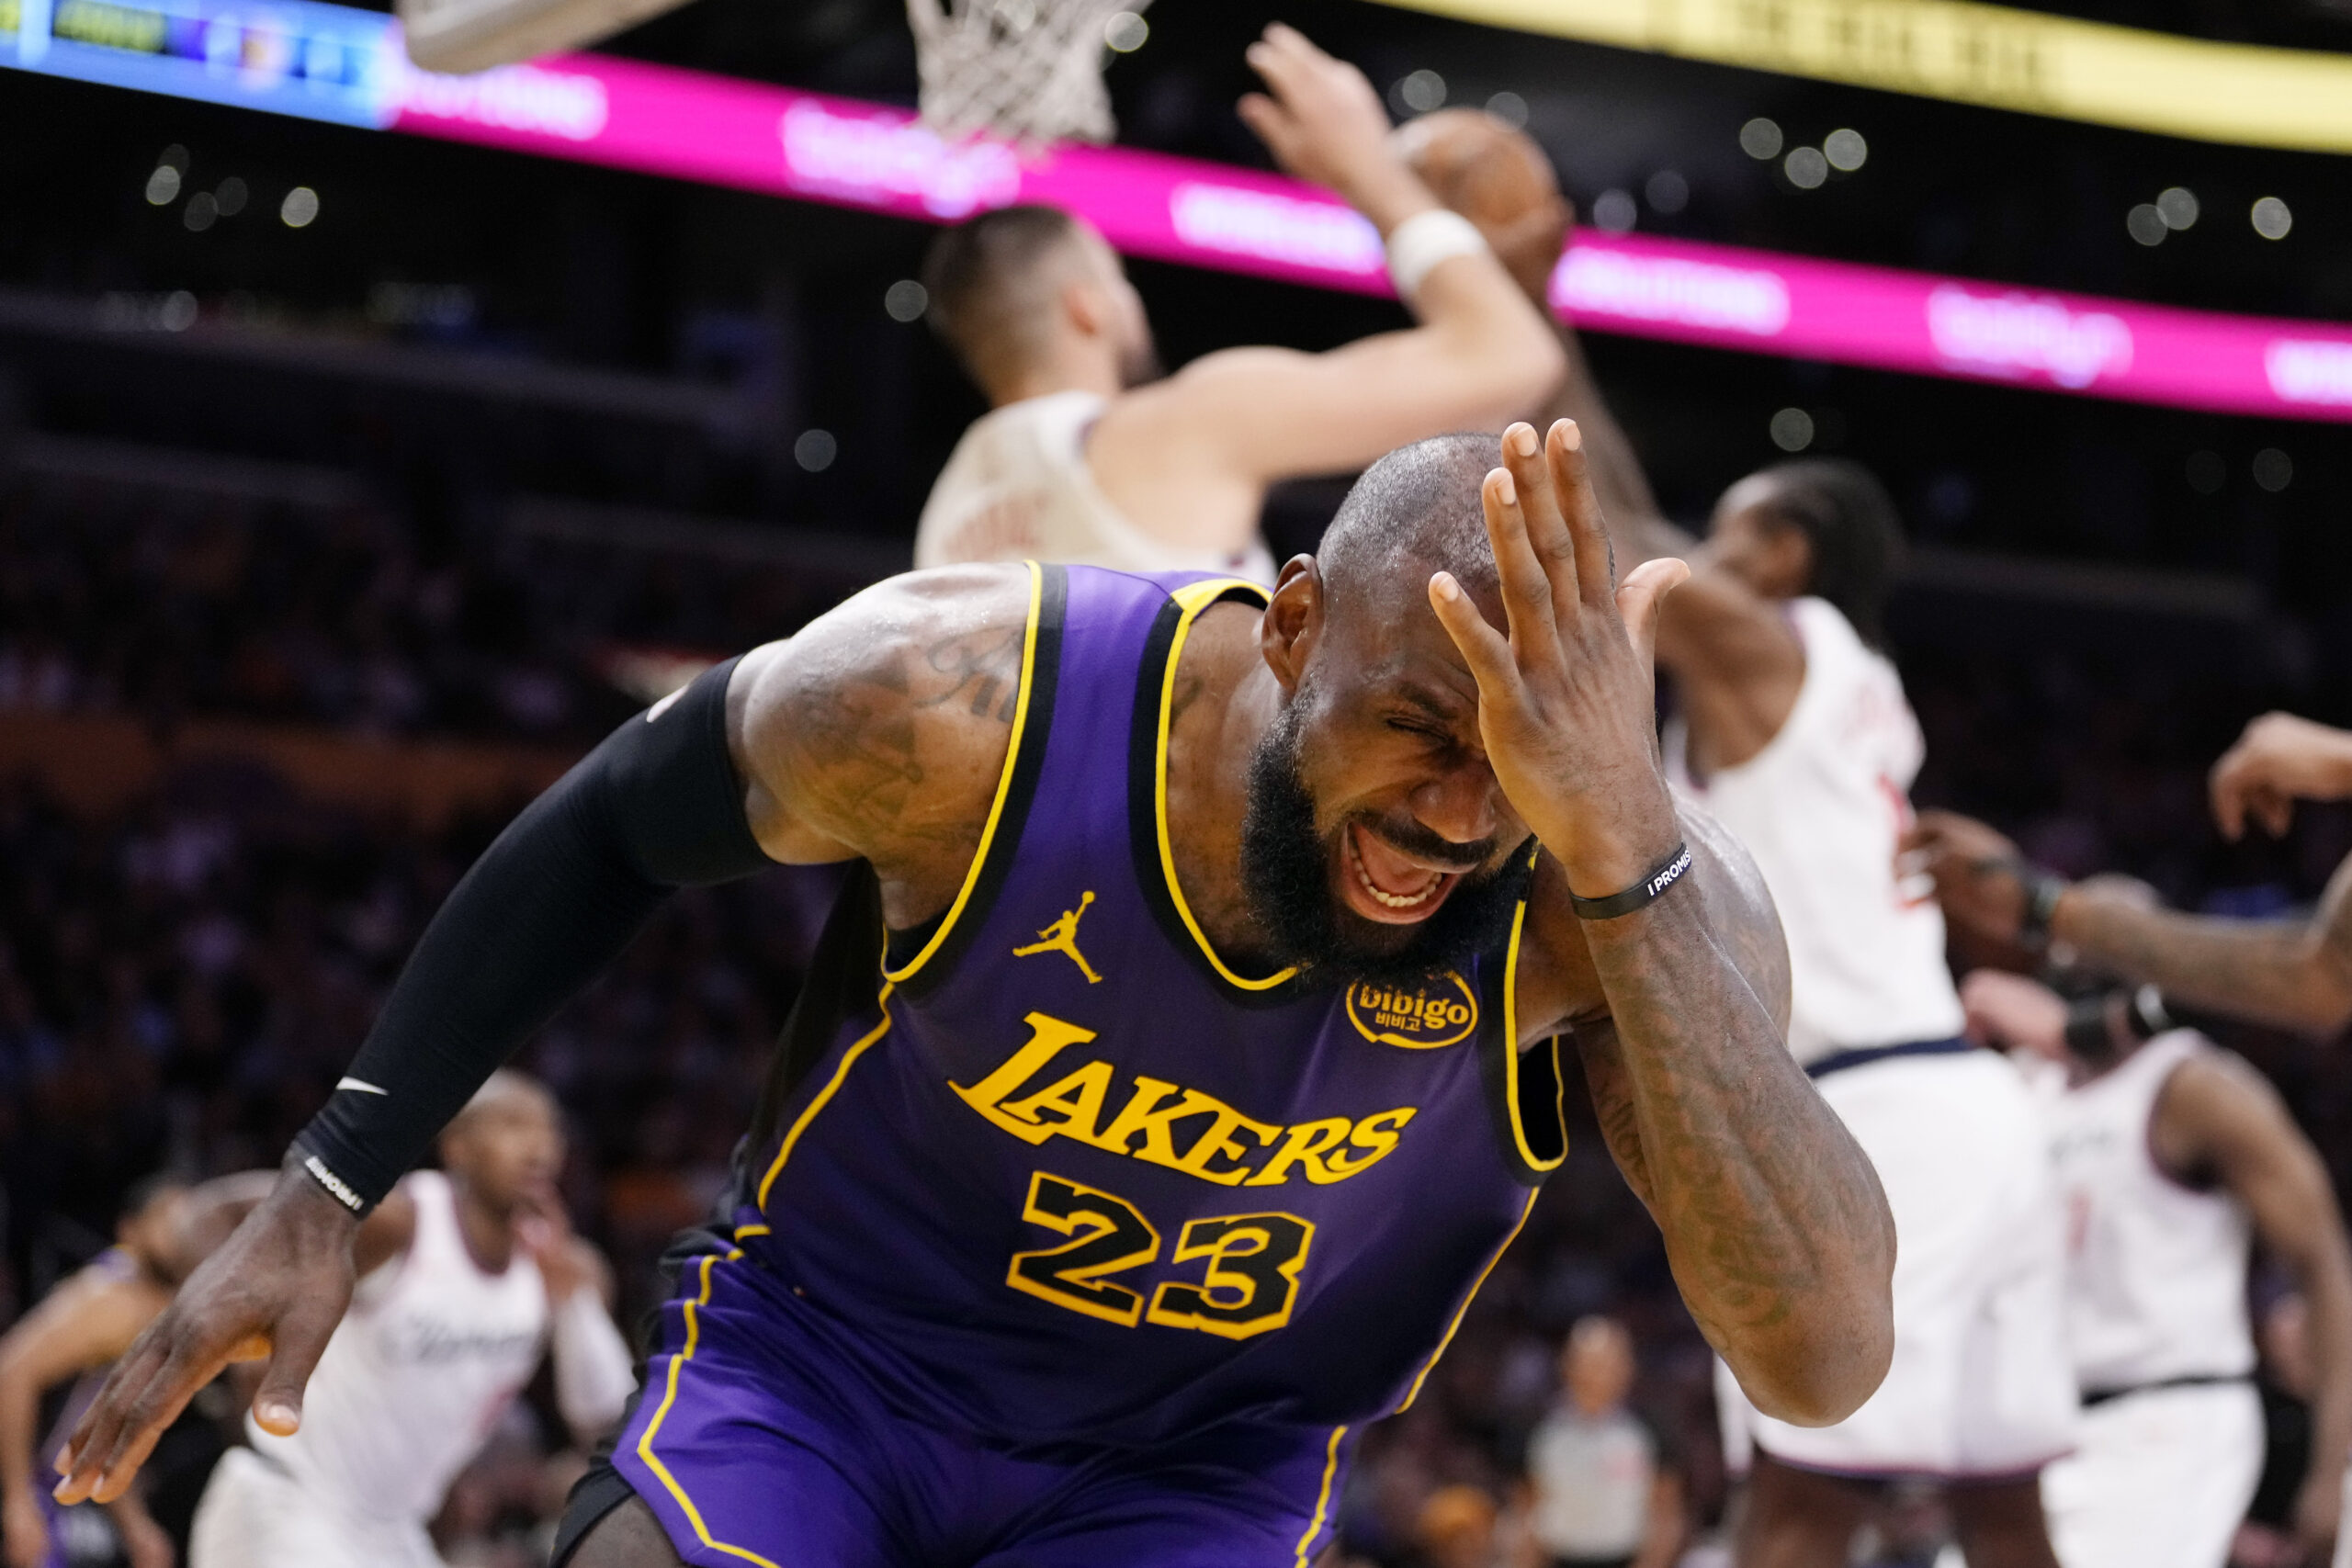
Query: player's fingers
(1643,597)
(2277,810)
(1276,62)
(1296,51)
(2229,800)
(298,1341)
(1539,510)
(147,1408)
(93,1437)
(1485,649)
(1527,593)
(1572,478)
(1266,117)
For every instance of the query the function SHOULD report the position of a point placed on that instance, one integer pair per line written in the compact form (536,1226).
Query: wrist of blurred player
(1425,242)
(595,1369)
(1385,190)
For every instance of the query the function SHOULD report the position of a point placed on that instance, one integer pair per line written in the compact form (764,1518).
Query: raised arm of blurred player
(1246,416)
(81,1325)
(1453,152)
(594,1370)
(2218,1119)
(2278,760)
(2294,974)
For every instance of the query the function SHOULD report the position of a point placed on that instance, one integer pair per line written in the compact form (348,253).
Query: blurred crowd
(183,979)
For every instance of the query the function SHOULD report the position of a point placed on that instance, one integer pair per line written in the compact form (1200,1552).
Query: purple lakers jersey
(1049,1169)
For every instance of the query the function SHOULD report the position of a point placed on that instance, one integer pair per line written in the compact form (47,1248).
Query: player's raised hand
(2011,1012)
(1979,874)
(1323,121)
(1565,695)
(2278,760)
(277,1288)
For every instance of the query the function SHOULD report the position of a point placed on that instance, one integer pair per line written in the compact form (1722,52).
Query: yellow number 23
(1249,1287)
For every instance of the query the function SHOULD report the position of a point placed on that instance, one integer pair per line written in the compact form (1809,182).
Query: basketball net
(1030,71)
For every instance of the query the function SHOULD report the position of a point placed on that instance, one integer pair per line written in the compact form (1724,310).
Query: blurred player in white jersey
(2172,1156)
(1088,457)
(467,1273)
(1792,726)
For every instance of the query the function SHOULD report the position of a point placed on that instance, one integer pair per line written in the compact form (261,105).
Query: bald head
(506,1090)
(507,1142)
(1413,513)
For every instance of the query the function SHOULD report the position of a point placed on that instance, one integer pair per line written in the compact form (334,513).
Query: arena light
(623,114)
(1993,56)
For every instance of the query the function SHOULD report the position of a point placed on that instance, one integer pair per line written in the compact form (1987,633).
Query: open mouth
(1383,883)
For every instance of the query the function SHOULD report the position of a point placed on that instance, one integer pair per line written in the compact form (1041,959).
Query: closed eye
(1425,730)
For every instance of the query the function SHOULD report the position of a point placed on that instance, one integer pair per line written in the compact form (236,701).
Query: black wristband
(1647,891)
(2042,891)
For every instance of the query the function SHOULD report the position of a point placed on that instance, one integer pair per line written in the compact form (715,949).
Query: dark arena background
(354,482)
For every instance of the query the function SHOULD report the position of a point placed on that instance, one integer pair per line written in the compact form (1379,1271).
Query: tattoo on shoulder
(883,746)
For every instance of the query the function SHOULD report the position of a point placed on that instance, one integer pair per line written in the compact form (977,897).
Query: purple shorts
(755,1444)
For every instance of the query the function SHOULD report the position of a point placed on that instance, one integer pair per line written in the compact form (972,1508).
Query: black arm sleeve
(655,807)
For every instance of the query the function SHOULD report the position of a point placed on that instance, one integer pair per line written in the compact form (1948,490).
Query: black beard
(1286,878)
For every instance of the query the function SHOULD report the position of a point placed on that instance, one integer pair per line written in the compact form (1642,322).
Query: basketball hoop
(1030,71)
(463,36)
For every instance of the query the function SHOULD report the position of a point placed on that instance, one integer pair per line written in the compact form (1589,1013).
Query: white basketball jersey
(2155,1284)
(418,1373)
(1018,488)
(1821,809)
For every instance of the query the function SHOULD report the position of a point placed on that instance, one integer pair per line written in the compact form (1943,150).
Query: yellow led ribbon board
(1992,56)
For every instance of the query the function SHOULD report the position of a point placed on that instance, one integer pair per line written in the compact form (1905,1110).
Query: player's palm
(1566,698)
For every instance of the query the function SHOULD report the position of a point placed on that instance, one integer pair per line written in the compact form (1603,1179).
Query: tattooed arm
(2294,973)
(877,732)
(1774,1224)
(1778,1234)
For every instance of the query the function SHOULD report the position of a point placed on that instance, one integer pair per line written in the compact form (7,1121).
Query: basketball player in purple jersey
(1178,1062)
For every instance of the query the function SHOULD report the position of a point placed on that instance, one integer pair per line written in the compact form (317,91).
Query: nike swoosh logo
(362,1086)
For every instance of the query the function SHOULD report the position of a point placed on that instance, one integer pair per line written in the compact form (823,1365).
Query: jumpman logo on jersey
(1062,937)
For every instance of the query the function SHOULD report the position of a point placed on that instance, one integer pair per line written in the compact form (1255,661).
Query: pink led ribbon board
(329,62)
(801,145)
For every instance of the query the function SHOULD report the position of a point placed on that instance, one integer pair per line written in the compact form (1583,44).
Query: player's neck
(1225,699)
(1068,367)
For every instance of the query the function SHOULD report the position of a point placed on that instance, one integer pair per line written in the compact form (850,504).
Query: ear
(1085,307)
(1294,622)
(1790,561)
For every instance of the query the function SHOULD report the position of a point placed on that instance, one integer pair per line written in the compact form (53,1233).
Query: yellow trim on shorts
(1194,598)
(668,1397)
(824,1095)
(1464,1310)
(1004,784)
(1322,1498)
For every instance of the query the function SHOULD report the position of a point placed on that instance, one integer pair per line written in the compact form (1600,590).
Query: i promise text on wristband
(1648,890)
